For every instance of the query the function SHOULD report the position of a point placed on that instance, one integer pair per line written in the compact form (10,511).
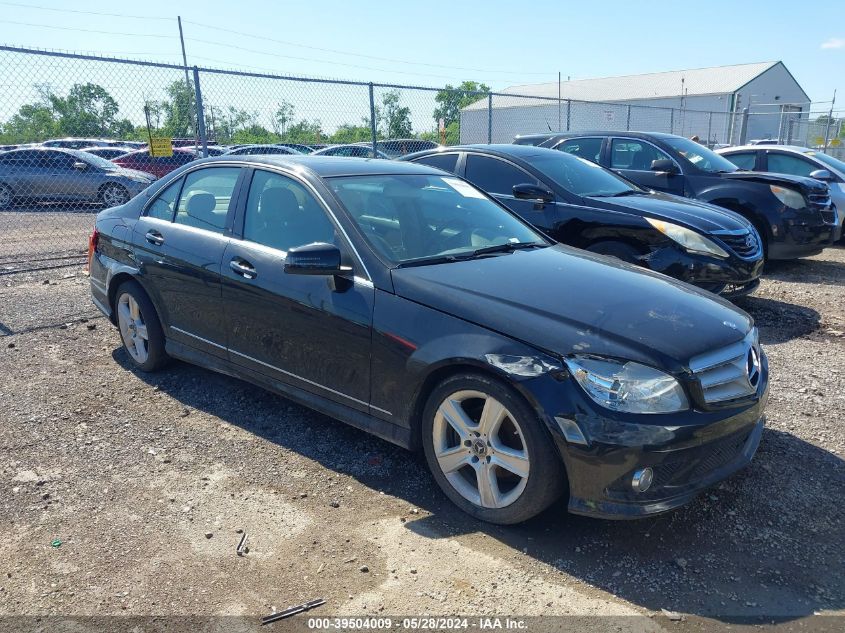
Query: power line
(70,28)
(341,52)
(110,15)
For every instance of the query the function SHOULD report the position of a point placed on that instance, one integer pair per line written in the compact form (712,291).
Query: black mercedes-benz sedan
(406,302)
(585,205)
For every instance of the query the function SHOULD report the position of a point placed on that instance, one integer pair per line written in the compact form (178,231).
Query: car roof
(797,149)
(632,134)
(329,166)
(497,149)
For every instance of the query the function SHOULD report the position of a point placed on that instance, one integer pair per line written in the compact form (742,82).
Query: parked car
(261,149)
(793,215)
(408,303)
(158,165)
(298,147)
(62,175)
(394,148)
(357,150)
(796,161)
(584,205)
(315,146)
(76,143)
(107,152)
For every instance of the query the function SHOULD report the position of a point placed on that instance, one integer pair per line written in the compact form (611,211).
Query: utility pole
(187,77)
(829,119)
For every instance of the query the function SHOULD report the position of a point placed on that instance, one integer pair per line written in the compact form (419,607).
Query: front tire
(6,197)
(114,195)
(140,328)
(488,450)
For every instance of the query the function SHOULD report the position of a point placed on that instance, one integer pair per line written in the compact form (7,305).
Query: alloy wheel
(133,329)
(5,197)
(115,195)
(480,448)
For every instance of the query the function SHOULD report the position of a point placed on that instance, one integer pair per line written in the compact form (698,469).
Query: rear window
(446,162)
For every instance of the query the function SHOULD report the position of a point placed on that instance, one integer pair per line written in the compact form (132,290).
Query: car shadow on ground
(763,545)
(779,321)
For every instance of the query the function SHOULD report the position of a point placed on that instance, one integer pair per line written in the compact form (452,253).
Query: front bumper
(731,276)
(801,234)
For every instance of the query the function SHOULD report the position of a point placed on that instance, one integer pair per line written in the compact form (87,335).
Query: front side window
(787,164)
(495,176)
(417,219)
(588,148)
(634,155)
(743,160)
(205,198)
(699,155)
(580,176)
(446,162)
(165,205)
(282,214)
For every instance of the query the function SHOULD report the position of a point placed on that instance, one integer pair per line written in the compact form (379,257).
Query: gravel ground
(146,481)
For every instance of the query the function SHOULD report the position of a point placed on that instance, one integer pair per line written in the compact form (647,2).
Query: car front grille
(819,200)
(730,372)
(829,216)
(746,244)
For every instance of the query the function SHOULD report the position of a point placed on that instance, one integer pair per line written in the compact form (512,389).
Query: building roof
(696,81)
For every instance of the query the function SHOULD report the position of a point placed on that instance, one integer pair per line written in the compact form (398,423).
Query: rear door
(296,328)
(788,163)
(632,158)
(180,241)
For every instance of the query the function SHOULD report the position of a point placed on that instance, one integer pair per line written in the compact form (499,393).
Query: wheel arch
(115,281)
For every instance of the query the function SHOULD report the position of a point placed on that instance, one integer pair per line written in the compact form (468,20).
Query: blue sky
(434,42)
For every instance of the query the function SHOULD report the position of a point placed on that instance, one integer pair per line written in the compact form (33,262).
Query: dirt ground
(124,494)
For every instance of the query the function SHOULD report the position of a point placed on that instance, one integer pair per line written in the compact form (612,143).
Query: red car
(159,166)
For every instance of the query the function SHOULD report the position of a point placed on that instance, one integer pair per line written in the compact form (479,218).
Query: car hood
(565,301)
(806,185)
(691,213)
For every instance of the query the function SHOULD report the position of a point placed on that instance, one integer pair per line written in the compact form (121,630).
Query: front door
(632,158)
(180,241)
(296,329)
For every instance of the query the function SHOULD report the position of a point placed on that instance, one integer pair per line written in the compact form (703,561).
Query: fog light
(641,481)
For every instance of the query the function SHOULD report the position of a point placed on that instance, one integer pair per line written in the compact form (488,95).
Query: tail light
(92,247)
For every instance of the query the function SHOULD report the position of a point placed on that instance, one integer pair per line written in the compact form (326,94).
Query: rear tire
(488,451)
(6,197)
(619,250)
(140,328)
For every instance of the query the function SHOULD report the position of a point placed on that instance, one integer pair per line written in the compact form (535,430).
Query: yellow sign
(819,140)
(835,142)
(161,146)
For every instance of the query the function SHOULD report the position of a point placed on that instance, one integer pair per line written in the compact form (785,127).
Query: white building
(707,102)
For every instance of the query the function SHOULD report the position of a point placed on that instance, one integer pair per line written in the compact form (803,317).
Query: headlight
(690,240)
(791,198)
(627,386)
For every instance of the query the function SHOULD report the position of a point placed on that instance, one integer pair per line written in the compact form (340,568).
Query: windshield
(96,161)
(414,218)
(580,176)
(837,164)
(699,155)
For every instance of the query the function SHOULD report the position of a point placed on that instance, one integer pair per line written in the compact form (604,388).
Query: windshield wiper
(428,261)
(508,247)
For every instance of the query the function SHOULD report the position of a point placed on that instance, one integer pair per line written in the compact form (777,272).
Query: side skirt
(385,430)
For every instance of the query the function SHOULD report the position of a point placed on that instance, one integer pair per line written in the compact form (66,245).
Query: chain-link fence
(55,105)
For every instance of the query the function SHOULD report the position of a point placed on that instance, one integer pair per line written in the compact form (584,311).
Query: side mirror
(821,174)
(80,165)
(664,165)
(318,258)
(528,191)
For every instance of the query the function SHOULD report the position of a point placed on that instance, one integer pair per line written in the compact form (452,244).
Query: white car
(795,160)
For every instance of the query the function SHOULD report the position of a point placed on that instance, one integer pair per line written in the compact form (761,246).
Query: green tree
(450,100)
(33,122)
(282,117)
(305,132)
(88,110)
(179,110)
(396,119)
(349,133)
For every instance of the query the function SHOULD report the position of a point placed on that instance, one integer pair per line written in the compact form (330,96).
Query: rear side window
(743,160)
(205,198)
(587,148)
(634,155)
(165,204)
(495,176)
(787,164)
(446,162)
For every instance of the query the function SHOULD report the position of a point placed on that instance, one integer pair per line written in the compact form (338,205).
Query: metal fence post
(489,118)
(743,126)
(628,119)
(709,129)
(568,112)
(373,129)
(200,113)
(671,120)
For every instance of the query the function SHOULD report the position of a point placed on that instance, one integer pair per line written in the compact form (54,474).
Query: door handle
(154,237)
(243,268)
